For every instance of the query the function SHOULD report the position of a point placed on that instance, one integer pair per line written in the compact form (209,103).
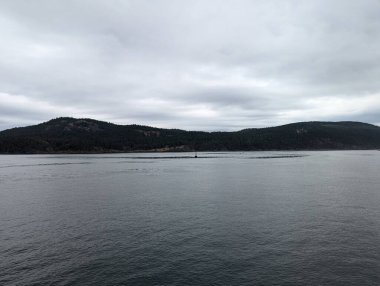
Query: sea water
(233,218)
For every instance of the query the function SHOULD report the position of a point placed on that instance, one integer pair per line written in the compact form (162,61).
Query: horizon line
(188,130)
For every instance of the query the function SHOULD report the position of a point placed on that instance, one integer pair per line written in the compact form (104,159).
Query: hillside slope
(70,135)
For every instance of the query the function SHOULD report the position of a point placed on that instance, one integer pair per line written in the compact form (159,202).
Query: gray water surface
(253,218)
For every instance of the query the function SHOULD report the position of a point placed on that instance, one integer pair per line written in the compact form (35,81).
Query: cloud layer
(207,65)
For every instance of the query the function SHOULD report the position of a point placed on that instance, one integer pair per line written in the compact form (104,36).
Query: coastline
(203,151)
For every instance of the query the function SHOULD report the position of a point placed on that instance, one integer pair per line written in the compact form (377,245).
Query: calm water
(255,218)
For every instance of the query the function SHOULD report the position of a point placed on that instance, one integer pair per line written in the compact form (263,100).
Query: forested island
(71,135)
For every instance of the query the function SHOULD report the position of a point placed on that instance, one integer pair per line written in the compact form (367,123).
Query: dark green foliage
(70,135)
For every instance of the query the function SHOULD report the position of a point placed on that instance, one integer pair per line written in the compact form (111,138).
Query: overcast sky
(204,65)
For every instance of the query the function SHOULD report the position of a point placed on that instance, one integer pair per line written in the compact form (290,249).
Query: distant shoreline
(191,152)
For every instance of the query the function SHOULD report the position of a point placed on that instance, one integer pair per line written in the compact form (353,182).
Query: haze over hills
(71,135)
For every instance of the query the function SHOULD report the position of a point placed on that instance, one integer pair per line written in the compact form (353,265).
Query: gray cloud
(210,65)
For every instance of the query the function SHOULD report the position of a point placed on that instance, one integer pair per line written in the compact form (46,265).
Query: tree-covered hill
(70,135)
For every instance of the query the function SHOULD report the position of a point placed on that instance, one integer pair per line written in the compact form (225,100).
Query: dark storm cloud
(211,65)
